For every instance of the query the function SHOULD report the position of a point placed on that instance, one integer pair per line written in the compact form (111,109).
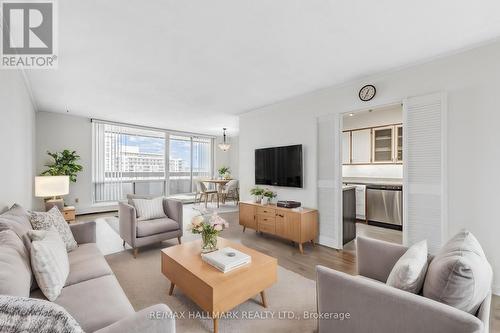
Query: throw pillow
(54,218)
(459,275)
(22,314)
(149,209)
(15,269)
(18,220)
(409,271)
(49,261)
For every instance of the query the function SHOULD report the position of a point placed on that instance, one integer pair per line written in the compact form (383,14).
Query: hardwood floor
(287,253)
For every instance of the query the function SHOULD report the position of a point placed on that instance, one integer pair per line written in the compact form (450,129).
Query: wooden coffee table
(216,292)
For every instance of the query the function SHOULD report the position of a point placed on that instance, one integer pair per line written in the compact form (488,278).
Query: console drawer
(267,224)
(266,211)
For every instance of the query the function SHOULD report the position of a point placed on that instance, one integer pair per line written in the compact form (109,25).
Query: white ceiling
(194,65)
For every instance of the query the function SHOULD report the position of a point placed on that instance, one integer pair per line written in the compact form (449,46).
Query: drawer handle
(265,219)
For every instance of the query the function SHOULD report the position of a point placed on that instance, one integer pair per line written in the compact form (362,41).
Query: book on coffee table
(226,259)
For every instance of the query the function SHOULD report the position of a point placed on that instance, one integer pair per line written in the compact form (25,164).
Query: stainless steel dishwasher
(384,205)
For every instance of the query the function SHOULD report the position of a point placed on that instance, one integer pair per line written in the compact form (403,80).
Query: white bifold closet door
(329,181)
(424,160)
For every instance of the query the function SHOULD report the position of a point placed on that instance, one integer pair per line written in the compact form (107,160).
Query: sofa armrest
(376,258)
(173,209)
(128,222)
(376,307)
(84,232)
(154,319)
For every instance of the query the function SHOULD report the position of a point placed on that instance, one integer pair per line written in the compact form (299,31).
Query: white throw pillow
(409,271)
(49,261)
(459,275)
(54,218)
(149,209)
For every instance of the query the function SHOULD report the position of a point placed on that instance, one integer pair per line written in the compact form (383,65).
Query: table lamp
(52,187)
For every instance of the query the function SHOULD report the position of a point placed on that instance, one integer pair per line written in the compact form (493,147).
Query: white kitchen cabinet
(399,143)
(361,145)
(383,145)
(346,147)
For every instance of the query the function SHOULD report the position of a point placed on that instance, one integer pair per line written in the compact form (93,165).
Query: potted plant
(224,172)
(64,165)
(268,195)
(257,192)
(209,228)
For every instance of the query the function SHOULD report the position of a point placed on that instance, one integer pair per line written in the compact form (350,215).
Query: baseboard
(96,209)
(495,290)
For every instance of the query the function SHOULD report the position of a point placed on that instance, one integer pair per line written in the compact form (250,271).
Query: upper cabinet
(399,143)
(383,144)
(377,145)
(346,147)
(361,146)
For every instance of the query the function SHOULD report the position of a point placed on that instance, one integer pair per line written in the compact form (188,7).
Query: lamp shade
(51,186)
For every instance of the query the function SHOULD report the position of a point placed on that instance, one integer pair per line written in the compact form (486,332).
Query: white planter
(257,198)
(264,201)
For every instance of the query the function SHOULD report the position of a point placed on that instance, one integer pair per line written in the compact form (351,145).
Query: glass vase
(208,242)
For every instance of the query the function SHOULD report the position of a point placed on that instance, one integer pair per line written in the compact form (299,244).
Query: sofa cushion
(86,262)
(157,226)
(409,271)
(18,220)
(131,197)
(149,209)
(95,303)
(21,314)
(459,275)
(49,261)
(15,269)
(54,218)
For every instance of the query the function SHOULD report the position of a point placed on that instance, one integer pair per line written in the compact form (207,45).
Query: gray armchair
(137,234)
(375,307)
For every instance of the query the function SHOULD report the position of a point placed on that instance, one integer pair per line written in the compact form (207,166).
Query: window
(129,160)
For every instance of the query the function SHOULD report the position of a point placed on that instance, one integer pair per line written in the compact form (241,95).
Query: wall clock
(367,92)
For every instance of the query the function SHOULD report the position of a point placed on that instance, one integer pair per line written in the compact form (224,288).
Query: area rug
(292,298)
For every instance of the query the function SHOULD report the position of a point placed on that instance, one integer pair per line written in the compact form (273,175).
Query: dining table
(219,183)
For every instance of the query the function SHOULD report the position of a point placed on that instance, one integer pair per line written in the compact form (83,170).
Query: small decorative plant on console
(209,228)
(268,195)
(257,192)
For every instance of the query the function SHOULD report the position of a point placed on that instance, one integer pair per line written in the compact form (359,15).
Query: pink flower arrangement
(211,225)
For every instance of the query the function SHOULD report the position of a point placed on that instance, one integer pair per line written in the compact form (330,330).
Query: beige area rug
(144,284)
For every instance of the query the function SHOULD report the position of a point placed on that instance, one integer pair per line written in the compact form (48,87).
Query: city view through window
(131,160)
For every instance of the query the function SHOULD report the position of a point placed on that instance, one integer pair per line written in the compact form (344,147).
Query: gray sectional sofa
(92,294)
(375,307)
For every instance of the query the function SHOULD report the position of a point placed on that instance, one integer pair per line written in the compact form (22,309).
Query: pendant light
(224,146)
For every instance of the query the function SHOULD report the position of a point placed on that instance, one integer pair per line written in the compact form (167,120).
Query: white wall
(228,158)
(56,132)
(373,171)
(17,128)
(473,162)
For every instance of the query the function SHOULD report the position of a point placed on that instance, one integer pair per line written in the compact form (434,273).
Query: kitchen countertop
(375,181)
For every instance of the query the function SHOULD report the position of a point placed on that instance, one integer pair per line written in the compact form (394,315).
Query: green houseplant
(268,195)
(224,172)
(64,164)
(257,192)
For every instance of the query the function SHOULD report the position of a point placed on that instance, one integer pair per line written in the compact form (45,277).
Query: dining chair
(203,192)
(231,191)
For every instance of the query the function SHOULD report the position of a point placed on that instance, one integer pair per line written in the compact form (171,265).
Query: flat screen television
(279,166)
